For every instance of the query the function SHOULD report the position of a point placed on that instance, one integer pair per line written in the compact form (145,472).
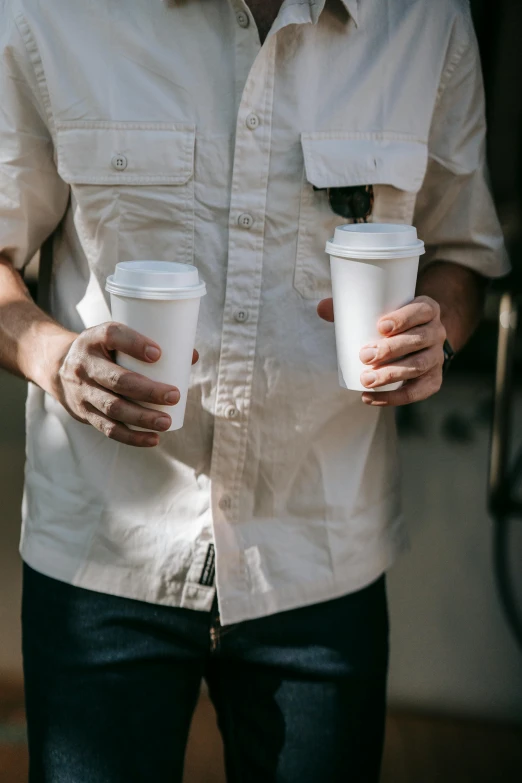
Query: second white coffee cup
(160,300)
(374,271)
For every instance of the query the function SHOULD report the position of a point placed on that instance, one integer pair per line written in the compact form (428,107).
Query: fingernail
(368,354)
(368,378)
(162,423)
(172,397)
(368,399)
(386,327)
(151,440)
(152,353)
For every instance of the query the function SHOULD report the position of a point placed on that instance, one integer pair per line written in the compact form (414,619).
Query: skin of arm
(79,370)
(31,342)
(449,304)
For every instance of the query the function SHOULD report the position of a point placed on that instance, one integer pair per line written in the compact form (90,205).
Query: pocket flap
(336,161)
(126,153)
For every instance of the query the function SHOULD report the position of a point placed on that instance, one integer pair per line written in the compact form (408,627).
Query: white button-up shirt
(141,130)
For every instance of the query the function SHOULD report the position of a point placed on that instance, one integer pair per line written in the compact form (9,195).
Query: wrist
(47,346)
(449,320)
(460,294)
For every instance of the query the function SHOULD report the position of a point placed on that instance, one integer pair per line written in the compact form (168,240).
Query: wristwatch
(449,355)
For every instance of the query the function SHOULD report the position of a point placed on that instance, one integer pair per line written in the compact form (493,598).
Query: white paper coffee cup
(374,271)
(160,300)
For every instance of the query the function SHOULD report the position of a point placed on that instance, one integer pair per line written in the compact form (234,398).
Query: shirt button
(225,503)
(245,220)
(240,315)
(231,412)
(252,121)
(242,19)
(119,162)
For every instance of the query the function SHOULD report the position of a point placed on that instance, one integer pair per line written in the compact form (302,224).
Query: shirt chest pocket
(132,189)
(393,166)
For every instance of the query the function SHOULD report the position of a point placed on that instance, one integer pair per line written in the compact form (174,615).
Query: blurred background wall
(452,652)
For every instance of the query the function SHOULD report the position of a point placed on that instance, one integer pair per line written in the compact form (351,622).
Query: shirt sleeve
(454,213)
(33,198)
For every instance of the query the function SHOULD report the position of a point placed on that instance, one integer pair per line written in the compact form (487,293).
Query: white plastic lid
(155,280)
(375,240)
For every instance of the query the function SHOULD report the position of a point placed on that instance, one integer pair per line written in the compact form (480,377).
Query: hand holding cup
(96,391)
(374,271)
(410,351)
(160,299)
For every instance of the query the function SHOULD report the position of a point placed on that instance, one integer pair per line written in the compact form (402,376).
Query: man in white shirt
(249,547)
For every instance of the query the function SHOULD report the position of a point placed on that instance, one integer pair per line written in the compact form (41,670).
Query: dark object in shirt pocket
(352,202)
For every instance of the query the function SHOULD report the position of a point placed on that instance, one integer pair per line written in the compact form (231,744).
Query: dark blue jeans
(112,683)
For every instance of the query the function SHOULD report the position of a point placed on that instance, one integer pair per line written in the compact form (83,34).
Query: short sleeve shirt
(167,131)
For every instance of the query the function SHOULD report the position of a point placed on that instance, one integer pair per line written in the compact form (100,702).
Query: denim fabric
(112,683)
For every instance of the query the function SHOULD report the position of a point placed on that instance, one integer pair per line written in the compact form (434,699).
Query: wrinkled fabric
(288,478)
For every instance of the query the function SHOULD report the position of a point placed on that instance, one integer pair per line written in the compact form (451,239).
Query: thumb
(325,310)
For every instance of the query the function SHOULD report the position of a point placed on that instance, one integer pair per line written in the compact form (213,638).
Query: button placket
(244,273)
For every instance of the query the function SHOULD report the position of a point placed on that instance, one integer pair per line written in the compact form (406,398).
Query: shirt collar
(352,6)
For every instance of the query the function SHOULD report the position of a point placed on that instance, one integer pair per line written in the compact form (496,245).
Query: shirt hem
(121,581)
(370,566)
(114,580)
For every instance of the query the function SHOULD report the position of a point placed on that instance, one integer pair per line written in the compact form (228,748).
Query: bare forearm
(31,342)
(460,292)
(79,371)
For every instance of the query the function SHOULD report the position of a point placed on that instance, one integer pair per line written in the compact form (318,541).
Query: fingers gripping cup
(374,271)
(160,300)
